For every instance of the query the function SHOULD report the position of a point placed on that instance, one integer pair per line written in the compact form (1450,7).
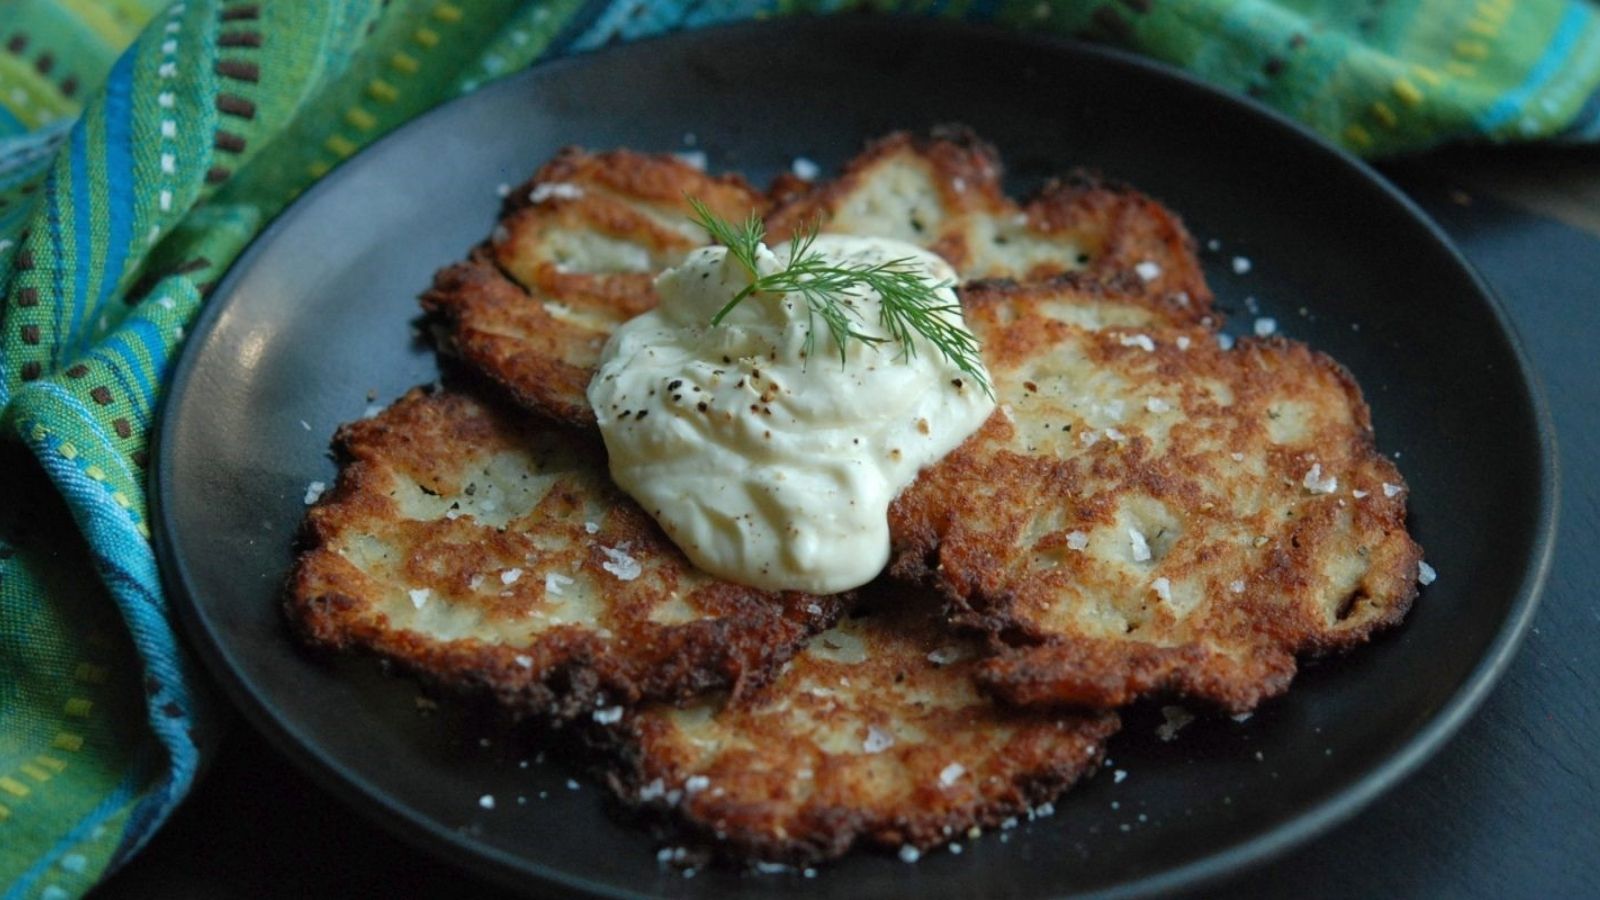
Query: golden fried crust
(873,735)
(943,192)
(1148,513)
(578,245)
(573,257)
(490,553)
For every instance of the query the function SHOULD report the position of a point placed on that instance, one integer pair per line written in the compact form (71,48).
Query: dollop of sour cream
(770,466)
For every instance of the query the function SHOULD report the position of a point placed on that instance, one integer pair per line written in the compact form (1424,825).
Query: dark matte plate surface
(317,318)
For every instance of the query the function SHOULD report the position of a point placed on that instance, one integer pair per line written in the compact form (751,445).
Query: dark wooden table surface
(1509,808)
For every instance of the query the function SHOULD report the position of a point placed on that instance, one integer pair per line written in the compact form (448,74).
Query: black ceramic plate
(315,320)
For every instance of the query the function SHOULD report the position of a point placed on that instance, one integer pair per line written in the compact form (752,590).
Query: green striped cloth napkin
(130,180)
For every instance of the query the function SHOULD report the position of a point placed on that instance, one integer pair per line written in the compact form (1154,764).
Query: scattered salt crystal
(1183,342)
(1358,493)
(1426,574)
(1266,325)
(608,716)
(1316,484)
(909,853)
(1225,341)
(879,740)
(476,582)
(655,790)
(1163,589)
(486,801)
(810,873)
(510,576)
(951,773)
(1180,298)
(313,491)
(1077,540)
(695,784)
(1176,718)
(1237,586)
(419,596)
(1089,437)
(1236,456)
(304,424)
(502,189)
(1142,341)
(814,608)
(1115,435)
(1148,270)
(1389,490)
(572,785)
(559,190)
(554,582)
(956,849)
(1252,305)
(695,159)
(1141,547)
(1213,245)
(1156,405)
(1118,776)
(1241,265)
(524,661)
(620,564)
(1242,717)
(371,412)
(770,868)
(805,168)
(591,527)
(944,656)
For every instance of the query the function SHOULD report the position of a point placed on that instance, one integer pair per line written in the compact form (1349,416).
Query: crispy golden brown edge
(740,638)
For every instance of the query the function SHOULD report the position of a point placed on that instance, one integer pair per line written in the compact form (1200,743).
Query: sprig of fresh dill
(909,305)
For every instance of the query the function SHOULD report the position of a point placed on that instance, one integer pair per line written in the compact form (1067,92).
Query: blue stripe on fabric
(82,216)
(155,347)
(130,363)
(119,172)
(58,272)
(1568,30)
(10,124)
(86,417)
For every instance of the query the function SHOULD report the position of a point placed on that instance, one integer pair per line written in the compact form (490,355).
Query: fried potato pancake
(943,192)
(874,734)
(573,257)
(578,246)
(490,552)
(1150,513)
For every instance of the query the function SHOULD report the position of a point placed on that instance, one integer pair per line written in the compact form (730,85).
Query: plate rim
(512,871)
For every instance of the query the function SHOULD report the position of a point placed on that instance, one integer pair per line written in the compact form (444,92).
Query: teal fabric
(129,181)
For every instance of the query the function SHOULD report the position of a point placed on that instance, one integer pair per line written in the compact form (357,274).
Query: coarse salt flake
(1141,547)
(554,582)
(1426,574)
(909,854)
(1118,776)
(695,159)
(1358,493)
(951,773)
(1316,484)
(1183,342)
(1241,265)
(1225,341)
(510,576)
(559,190)
(1163,589)
(620,564)
(944,656)
(486,801)
(1077,540)
(523,660)
(419,596)
(1156,405)
(313,491)
(1237,586)
(1265,326)
(877,740)
(1148,270)
(805,168)
(1389,490)
(1142,341)
(608,716)
(591,527)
